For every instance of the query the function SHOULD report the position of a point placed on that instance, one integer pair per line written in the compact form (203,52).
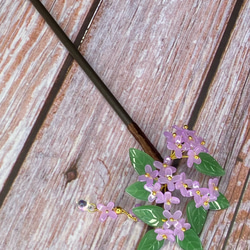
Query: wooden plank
(225,118)
(239,239)
(31,57)
(154,58)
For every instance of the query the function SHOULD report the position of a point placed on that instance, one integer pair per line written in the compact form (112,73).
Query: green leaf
(139,160)
(220,203)
(149,241)
(196,216)
(191,241)
(137,190)
(209,166)
(151,215)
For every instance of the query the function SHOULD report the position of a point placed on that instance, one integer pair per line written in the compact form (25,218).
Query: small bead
(118,210)
(82,203)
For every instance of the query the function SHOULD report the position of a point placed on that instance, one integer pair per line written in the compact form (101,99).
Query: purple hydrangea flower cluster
(185,143)
(164,180)
(176,222)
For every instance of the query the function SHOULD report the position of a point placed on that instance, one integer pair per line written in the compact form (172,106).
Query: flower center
(203,143)
(190,138)
(107,211)
(174,134)
(183,229)
(147,175)
(185,185)
(196,157)
(168,202)
(153,193)
(170,177)
(198,192)
(179,146)
(164,236)
(172,219)
(205,203)
(165,165)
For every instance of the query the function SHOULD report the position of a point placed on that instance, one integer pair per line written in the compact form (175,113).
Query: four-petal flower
(155,191)
(180,228)
(172,219)
(167,199)
(107,211)
(164,234)
(149,176)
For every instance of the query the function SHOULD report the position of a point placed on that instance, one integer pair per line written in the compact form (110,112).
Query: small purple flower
(213,187)
(149,176)
(196,191)
(199,142)
(183,184)
(107,211)
(180,228)
(172,218)
(154,190)
(162,166)
(169,179)
(184,131)
(169,136)
(177,145)
(165,234)
(193,157)
(204,201)
(167,199)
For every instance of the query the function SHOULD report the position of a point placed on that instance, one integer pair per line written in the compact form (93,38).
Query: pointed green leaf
(137,190)
(220,203)
(149,241)
(209,165)
(196,216)
(139,160)
(151,215)
(191,241)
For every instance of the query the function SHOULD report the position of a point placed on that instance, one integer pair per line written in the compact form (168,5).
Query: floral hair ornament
(159,182)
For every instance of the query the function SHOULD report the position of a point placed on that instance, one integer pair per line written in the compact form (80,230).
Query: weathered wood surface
(30,58)
(154,57)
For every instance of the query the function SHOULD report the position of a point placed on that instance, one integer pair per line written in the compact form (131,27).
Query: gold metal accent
(92,208)
(119,210)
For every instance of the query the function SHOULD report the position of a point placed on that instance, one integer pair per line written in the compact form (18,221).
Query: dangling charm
(106,211)
(86,206)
